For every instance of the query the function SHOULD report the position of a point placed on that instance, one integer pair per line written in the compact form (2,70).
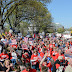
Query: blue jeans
(13,61)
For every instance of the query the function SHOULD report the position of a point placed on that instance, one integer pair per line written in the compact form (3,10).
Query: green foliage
(26,11)
(7,28)
(60,30)
(44,22)
(50,30)
(70,29)
(23,27)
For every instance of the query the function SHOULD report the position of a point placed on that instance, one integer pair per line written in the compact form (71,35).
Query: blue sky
(61,11)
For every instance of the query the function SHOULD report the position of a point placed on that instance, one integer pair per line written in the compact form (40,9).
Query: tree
(70,29)
(26,10)
(60,30)
(23,27)
(50,30)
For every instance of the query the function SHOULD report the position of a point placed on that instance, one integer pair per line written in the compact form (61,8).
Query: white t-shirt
(14,55)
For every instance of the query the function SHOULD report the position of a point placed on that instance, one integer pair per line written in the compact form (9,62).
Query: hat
(60,57)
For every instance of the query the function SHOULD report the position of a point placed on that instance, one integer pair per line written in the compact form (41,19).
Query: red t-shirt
(54,57)
(15,46)
(34,57)
(31,70)
(2,56)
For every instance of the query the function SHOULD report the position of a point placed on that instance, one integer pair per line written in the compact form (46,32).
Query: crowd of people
(35,54)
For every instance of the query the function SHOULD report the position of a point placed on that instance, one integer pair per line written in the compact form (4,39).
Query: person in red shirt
(60,54)
(35,60)
(50,45)
(28,68)
(43,52)
(4,55)
(54,53)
